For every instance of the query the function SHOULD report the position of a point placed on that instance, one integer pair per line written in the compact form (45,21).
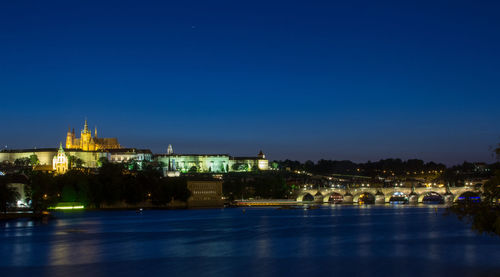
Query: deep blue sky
(358,80)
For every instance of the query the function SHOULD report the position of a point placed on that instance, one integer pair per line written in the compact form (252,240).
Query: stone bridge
(383,195)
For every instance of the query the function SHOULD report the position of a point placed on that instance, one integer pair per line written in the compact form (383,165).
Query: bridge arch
(472,196)
(305,197)
(364,198)
(431,197)
(397,197)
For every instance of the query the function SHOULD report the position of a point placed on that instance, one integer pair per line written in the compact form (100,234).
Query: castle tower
(85,137)
(69,139)
(86,126)
(88,143)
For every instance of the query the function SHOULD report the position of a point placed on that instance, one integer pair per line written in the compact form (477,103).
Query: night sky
(358,80)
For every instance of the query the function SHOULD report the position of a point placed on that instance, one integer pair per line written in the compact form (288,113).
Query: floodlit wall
(45,157)
(196,163)
(211,163)
(90,159)
(248,164)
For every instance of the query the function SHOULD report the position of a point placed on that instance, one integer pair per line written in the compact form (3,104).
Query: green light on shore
(66,208)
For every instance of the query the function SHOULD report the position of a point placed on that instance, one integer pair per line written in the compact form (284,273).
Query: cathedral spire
(86,127)
(95,131)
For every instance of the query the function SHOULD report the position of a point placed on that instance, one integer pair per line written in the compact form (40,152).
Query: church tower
(88,143)
(85,137)
(69,139)
(60,161)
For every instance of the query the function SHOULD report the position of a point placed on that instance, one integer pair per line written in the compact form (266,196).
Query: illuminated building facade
(87,151)
(210,163)
(129,154)
(90,159)
(88,143)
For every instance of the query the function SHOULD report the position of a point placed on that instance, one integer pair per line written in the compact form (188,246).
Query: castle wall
(89,158)
(261,164)
(211,163)
(203,163)
(44,156)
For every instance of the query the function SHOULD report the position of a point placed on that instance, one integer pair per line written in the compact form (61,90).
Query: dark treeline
(484,216)
(379,168)
(254,185)
(396,166)
(111,184)
(8,195)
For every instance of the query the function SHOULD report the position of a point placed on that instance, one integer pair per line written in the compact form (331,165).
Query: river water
(333,240)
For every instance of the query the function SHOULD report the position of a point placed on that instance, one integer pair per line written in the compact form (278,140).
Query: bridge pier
(348,198)
(318,197)
(379,199)
(448,199)
(413,199)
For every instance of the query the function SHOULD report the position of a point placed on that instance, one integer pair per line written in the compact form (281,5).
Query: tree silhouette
(8,195)
(485,215)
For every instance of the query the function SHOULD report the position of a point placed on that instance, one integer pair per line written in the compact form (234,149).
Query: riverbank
(24,214)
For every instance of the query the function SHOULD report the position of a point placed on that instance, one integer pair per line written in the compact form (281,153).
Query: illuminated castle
(88,143)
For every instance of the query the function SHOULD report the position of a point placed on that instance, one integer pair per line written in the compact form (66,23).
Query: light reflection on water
(346,239)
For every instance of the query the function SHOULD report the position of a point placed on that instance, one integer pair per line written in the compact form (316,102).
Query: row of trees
(263,185)
(485,215)
(32,160)
(386,166)
(112,184)
(8,195)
